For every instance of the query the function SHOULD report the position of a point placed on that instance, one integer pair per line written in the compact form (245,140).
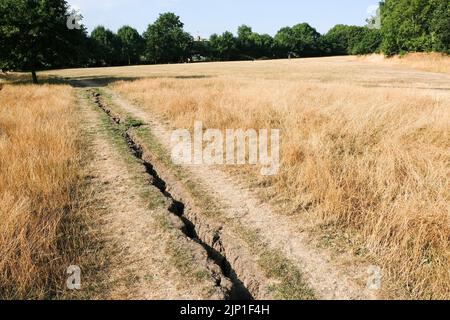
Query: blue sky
(205,17)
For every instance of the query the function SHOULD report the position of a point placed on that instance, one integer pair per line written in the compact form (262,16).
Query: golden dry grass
(433,62)
(366,159)
(12,77)
(39,180)
(349,70)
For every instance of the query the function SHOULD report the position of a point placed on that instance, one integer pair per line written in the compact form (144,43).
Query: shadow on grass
(200,76)
(99,82)
(78,82)
(21,78)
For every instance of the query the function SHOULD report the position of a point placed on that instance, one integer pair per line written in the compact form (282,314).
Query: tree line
(165,41)
(34,35)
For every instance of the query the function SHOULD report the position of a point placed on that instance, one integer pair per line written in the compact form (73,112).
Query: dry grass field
(39,179)
(365,149)
(365,155)
(432,62)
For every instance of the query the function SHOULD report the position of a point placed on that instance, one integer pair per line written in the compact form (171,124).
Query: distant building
(200,39)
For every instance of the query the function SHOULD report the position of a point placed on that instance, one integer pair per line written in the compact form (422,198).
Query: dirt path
(330,276)
(149,255)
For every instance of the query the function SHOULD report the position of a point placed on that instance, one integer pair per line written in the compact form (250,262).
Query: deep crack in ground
(238,291)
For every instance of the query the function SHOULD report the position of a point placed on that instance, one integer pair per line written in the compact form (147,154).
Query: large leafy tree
(34,35)
(368,41)
(166,41)
(306,40)
(132,45)
(440,26)
(246,42)
(266,45)
(343,39)
(301,39)
(337,39)
(107,46)
(252,45)
(202,50)
(415,25)
(284,43)
(224,46)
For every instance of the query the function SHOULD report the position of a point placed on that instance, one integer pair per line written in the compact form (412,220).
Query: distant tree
(252,45)
(265,45)
(246,42)
(301,39)
(224,46)
(166,41)
(343,39)
(306,40)
(284,42)
(132,45)
(202,50)
(338,39)
(34,35)
(107,46)
(368,41)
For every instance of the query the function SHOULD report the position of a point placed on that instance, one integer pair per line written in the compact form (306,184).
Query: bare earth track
(143,239)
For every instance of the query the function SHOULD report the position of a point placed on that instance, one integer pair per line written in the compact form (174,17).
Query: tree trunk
(35,79)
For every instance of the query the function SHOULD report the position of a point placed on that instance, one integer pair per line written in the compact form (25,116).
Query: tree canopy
(132,45)
(34,35)
(107,46)
(166,41)
(415,25)
(301,40)
(343,40)
(224,47)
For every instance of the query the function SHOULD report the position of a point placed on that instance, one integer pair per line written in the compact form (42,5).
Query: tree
(246,42)
(284,43)
(166,41)
(343,39)
(131,45)
(369,41)
(34,35)
(440,22)
(415,25)
(224,46)
(107,46)
(265,46)
(201,50)
(252,45)
(337,39)
(301,39)
(306,40)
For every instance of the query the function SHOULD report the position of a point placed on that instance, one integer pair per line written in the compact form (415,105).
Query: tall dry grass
(433,62)
(370,161)
(39,180)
